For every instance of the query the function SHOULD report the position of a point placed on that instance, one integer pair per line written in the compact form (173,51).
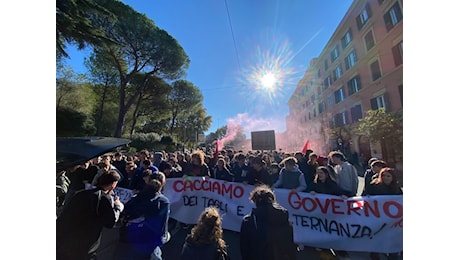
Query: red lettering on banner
(294,204)
(209,185)
(216,188)
(335,206)
(386,209)
(351,207)
(241,192)
(203,185)
(227,189)
(176,188)
(367,207)
(313,204)
(323,209)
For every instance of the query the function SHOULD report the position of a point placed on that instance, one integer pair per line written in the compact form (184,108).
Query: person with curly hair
(266,232)
(205,240)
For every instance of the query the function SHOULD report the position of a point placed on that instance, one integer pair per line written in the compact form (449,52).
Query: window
(330,100)
(313,98)
(393,16)
(339,95)
(346,39)
(369,39)
(321,106)
(363,17)
(397,53)
(326,66)
(338,72)
(327,82)
(335,53)
(354,85)
(340,119)
(314,112)
(381,1)
(356,113)
(319,73)
(375,70)
(379,102)
(350,60)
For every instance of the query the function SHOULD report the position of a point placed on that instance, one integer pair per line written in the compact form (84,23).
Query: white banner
(369,224)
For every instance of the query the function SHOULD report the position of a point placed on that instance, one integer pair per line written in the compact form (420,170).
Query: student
(205,241)
(290,176)
(147,216)
(79,226)
(266,233)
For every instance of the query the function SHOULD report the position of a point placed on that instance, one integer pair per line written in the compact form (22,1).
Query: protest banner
(372,224)
(369,224)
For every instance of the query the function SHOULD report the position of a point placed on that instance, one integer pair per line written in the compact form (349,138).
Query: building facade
(359,69)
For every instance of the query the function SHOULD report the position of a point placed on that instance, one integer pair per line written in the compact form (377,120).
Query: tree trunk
(135,115)
(101,112)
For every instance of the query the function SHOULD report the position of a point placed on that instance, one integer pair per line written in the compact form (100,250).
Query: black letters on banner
(190,201)
(335,228)
(239,210)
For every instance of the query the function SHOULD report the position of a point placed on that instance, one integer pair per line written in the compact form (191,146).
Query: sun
(268,81)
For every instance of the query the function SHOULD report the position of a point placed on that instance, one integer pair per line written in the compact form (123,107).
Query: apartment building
(359,69)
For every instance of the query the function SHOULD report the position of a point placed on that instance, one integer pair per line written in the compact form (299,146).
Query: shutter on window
(358,82)
(350,87)
(397,56)
(374,104)
(369,11)
(387,102)
(358,22)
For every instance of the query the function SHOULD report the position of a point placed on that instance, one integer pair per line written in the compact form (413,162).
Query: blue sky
(271,37)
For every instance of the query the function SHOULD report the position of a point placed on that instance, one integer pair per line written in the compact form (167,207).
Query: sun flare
(268,81)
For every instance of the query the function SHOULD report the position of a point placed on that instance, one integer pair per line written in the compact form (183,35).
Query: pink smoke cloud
(248,123)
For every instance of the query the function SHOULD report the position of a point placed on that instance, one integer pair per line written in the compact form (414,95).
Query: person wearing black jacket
(79,226)
(267,233)
(324,183)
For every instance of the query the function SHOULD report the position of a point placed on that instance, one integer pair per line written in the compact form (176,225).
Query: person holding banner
(345,173)
(221,172)
(385,184)
(290,176)
(197,166)
(205,241)
(258,174)
(267,233)
(239,168)
(325,184)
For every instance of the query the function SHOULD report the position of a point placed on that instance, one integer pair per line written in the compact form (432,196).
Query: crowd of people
(85,202)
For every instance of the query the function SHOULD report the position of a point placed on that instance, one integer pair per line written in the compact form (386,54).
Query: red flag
(306,146)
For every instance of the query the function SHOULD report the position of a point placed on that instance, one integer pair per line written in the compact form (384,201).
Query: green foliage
(385,128)
(379,125)
(218,134)
(145,140)
(70,122)
(132,59)
(75,23)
